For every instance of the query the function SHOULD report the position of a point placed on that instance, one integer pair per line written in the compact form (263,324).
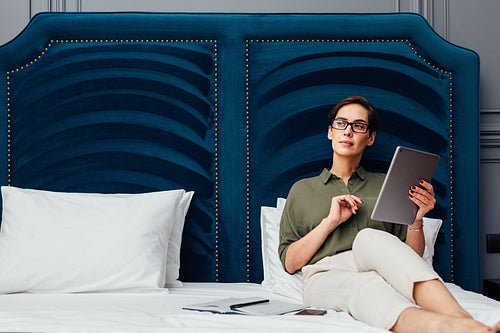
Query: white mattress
(162,312)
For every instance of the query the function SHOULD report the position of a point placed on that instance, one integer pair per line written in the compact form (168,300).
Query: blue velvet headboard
(234,107)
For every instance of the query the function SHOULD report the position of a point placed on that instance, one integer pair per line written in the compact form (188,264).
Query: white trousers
(373,282)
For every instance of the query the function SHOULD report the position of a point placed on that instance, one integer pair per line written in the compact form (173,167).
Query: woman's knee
(372,245)
(369,236)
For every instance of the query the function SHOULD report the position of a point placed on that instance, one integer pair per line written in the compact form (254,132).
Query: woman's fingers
(349,201)
(425,194)
(423,197)
(428,187)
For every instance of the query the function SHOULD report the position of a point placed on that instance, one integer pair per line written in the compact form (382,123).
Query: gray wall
(472,24)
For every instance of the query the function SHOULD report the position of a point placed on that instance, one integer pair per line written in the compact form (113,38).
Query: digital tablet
(407,167)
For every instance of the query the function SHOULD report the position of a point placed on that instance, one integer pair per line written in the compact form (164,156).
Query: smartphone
(313,312)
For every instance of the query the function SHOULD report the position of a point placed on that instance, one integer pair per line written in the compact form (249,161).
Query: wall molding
(446,19)
(436,12)
(57,5)
(424,8)
(490,110)
(38,6)
(428,11)
(490,135)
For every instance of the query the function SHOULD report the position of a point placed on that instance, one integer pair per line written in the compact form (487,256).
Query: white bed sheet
(162,312)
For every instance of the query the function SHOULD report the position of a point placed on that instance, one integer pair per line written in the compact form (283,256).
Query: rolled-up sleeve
(288,231)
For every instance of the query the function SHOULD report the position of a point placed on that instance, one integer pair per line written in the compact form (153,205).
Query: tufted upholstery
(234,107)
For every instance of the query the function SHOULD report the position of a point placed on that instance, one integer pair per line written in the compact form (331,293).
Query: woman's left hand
(423,198)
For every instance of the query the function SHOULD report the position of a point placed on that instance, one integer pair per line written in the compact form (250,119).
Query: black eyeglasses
(340,124)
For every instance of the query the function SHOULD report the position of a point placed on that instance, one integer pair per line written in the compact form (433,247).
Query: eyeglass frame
(348,123)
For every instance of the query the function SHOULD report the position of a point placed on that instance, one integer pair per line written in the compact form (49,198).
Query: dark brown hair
(372,114)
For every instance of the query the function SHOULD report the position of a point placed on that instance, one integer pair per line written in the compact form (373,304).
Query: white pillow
(431,230)
(76,242)
(277,280)
(174,243)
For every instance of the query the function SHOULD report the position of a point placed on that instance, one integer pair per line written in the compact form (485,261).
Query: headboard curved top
(234,107)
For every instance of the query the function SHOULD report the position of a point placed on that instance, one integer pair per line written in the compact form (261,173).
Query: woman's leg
(411,277)
(369,298)
(405,270)
(415,320)
(433,296)
(366,296)
(396,262)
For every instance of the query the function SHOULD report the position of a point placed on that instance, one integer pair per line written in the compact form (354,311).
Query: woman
(353,264)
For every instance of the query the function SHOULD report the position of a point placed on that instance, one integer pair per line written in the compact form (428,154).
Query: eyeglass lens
(356,127)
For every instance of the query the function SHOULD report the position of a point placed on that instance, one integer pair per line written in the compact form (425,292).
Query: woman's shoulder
(308,182)
(376,174)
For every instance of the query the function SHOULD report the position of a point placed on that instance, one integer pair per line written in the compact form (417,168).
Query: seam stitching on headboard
(357,40)
(424,60)
(216,110)
(216,162)
(247,113)
(451,187)
(9,117)
(451,151)
(427,61)
(8,129)
(216,124)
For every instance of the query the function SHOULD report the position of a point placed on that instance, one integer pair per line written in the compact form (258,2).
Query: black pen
(240,305)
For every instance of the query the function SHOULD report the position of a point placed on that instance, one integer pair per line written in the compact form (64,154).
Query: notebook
(249,306)
(407,167)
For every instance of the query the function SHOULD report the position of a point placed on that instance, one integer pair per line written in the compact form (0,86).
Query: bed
(206,120)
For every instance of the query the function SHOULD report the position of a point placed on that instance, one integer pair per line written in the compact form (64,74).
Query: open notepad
(247,306)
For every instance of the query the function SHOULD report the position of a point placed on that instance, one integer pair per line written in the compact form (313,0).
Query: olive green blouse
(309,202)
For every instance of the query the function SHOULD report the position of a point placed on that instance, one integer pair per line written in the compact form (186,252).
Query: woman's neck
(344,167)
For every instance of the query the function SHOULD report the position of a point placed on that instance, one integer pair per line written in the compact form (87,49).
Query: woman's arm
(424,199)
(301,251)
(415,237)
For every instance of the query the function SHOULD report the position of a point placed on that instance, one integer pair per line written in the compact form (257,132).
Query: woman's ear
(371,140)
(329,135)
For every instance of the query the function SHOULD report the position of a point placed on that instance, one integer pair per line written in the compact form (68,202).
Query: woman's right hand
(341,209)
(300,252)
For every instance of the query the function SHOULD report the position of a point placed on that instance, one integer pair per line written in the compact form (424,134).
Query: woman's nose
(348,130)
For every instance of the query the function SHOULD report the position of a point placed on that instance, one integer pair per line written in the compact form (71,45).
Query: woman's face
(346,142)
